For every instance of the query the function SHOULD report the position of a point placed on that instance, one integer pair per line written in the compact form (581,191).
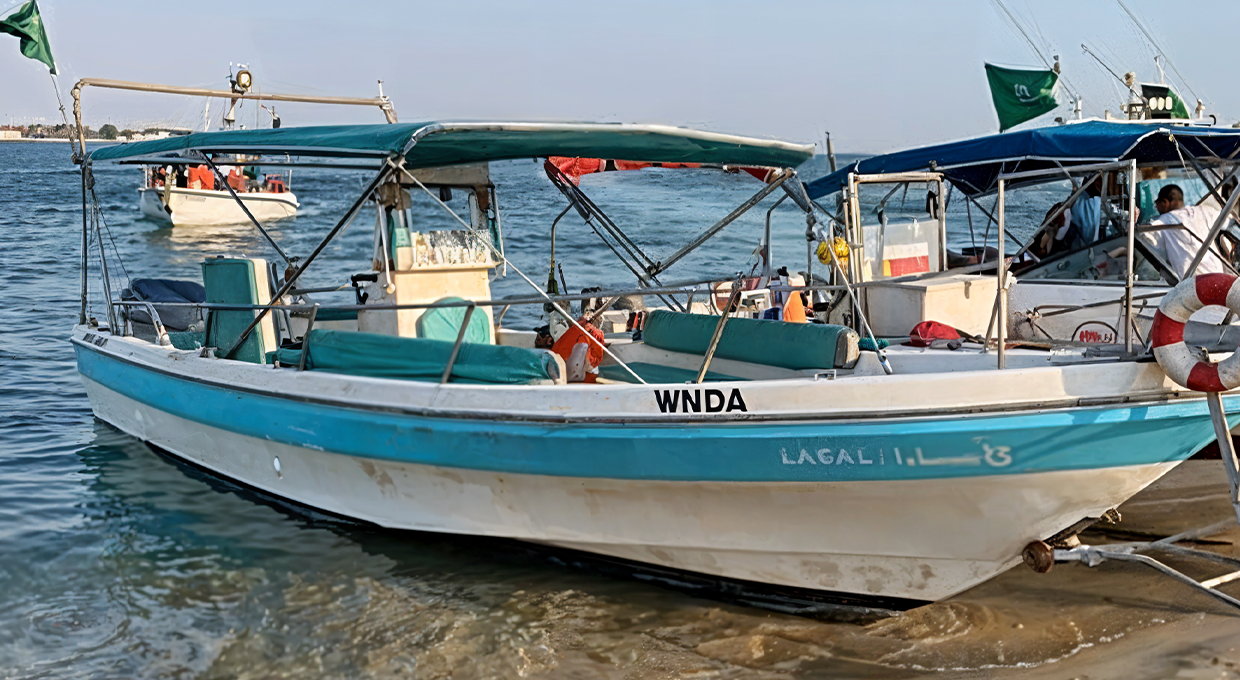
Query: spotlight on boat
(244,82)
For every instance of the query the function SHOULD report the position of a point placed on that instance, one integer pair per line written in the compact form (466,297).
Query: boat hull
(197,207)
(915,508)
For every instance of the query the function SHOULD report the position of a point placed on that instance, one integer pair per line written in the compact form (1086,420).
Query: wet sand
(1113,621)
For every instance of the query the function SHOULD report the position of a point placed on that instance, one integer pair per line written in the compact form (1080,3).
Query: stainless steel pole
(1002,321)
(1129,258)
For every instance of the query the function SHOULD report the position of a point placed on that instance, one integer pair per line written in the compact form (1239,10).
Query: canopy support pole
(1064,207)
(1130,278)
(486,242)
(85,168)
(675,257)
(219,176)
(383,174)
(733,298)
(1001,302)
(1192,160)
(1219,223)
(113,326)
(590,213)
(766,247)
(456,348)
(992,220)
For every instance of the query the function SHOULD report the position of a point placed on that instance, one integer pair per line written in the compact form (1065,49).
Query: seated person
(1055,236)
(1179,245)
(1086,217)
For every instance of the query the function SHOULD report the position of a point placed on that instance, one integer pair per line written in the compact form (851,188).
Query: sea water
(116,561)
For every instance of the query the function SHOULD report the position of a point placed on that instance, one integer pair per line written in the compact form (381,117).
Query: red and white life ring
(1167,333)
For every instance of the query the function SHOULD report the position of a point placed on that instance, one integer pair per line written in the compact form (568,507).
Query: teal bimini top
(436,144)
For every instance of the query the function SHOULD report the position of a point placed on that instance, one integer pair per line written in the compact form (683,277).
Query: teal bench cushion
(388,356)
(335,315)
(795,346)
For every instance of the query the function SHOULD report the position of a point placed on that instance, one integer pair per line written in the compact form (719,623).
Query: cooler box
(963,301)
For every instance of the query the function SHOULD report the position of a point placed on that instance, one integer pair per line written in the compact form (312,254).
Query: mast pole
(84,168)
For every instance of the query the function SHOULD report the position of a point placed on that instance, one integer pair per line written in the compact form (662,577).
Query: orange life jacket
(573,336)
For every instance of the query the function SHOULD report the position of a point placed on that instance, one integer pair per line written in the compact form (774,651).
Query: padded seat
(238,281)
(389,356)
(795,346)
(158,291)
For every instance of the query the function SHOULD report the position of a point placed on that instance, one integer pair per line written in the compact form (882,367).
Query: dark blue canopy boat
(974,165)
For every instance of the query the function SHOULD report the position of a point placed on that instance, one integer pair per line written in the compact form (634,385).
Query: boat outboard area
(771,426)
(1065,199)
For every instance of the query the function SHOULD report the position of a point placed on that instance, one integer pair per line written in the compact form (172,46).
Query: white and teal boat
(754,450)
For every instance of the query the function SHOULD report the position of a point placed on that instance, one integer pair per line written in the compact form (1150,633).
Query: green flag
(1178,109)
(1021,94)
(27,25)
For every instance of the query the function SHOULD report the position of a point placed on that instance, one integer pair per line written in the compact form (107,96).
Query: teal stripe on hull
(888,449)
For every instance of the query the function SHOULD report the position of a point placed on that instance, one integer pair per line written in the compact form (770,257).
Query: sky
(879,75)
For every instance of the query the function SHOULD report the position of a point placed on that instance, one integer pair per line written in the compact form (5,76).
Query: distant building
(10,133)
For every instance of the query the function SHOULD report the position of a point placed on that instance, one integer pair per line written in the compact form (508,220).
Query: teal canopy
(427,145)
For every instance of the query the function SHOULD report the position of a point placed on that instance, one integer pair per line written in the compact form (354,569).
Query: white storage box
(963,301)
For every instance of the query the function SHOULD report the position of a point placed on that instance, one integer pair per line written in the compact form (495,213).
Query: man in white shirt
(1179,245)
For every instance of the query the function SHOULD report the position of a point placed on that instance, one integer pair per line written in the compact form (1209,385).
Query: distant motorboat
(205,207)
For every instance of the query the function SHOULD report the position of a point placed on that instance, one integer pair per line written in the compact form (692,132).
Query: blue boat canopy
(974,165)
(433,144)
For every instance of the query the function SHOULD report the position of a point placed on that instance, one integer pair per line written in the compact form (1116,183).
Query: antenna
(1127,81)
(1072,91)
(1144,31)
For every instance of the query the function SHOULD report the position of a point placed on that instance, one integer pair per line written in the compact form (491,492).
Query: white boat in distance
(209,207)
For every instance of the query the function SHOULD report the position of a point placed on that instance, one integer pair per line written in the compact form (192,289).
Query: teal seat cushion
(656,374)
(444,323)
(233,281)
(335,315)
(187,339)
(389,356)
(795,346)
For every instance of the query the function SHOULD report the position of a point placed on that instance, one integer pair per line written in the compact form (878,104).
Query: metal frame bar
(733,298)
(1219,223)
(383,103)
(85,273)
(675,257)
(590,211)
(1128,552)
(305,338)
(1001,295)
(456,348)
(486,242)
(383,174)
(161,333)
(1130,253)
(766,250)
(1064,207)
(223,180)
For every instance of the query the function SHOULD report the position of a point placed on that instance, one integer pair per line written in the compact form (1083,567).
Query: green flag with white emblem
(27,25)
(1021,94)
